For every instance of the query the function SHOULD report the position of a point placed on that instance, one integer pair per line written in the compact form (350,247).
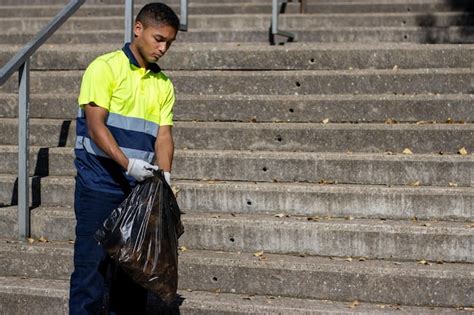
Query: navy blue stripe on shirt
(125,138)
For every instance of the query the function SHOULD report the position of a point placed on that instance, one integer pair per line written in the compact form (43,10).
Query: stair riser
(314,138)
(26,304)
(262,8)
(452,35)
(258,22)
(311,201)
(344,109)
(242,58)
(309,238)
(319,240)
(288,83)
(203,165)
(366,284)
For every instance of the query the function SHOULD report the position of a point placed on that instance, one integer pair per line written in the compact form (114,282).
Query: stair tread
(270,260)
(231,302)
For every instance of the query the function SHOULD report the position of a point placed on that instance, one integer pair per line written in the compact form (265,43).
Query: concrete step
(387,282)
(409,6)
(421,35)
(256,21)
(370,238)
(413,81)
(244,56)
(266,166)
(141,2)
(34,296)
(339,201)
(282,108)
(289,137)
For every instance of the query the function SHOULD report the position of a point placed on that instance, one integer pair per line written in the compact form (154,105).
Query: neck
(138,56)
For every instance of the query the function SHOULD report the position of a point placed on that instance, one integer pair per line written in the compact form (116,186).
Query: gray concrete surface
(279,108)
(374,239)
(266,166)
(437,81)
(374,281)
(343,201)
(245,56)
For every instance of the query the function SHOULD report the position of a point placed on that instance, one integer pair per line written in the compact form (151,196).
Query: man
(123,129)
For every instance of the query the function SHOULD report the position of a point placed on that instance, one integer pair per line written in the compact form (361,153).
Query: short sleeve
(97,84)
(166,113)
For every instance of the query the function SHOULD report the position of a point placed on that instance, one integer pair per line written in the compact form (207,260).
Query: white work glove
(140,170)
(167,177)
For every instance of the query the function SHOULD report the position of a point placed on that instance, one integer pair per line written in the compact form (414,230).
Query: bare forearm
(106,142)
(164,148)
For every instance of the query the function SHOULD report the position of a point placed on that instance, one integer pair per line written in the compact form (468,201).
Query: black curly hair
(157,13)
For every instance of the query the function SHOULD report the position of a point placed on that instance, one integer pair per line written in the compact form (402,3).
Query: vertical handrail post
(128,21)
(275,8)
(23,151)
(274,29)
(183,16)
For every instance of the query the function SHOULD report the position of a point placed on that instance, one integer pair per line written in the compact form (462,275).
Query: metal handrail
(275,30)
(183,16)
(21,62)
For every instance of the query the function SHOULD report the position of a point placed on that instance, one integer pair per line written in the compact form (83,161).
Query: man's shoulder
(111,58)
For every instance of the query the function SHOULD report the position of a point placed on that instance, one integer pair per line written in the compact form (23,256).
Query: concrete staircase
(291,164)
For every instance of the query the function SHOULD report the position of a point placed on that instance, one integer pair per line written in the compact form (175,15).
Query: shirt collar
(128,52)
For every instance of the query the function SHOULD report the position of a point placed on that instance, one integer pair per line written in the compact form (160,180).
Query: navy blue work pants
(91,264)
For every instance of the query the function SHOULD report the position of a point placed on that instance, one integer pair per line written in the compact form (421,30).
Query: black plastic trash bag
(142,236)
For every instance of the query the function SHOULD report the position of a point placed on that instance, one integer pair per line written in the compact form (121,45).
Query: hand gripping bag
(142,236)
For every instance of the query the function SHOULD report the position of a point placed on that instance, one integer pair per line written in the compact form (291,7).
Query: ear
(138,29)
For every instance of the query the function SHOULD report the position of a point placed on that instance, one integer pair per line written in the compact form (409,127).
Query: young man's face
(153,41)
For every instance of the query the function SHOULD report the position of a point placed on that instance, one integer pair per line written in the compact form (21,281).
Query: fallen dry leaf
(327,182)
(354,304)
(43,239)
(451,184)
(315,218)
(258,254)
(389,152)
(217,291)
(71,242)
(281,215)
(348,259)
(423,262)
(31,240)
(423,122)
(182,248)
(189,290)
(462,151)
(440,262)
(349,218)
(362,259)
(449,120)
(254,119)
(395,67)
(175,190)
(390,121)
(325,121)
(414,219)
(215,216)
(415,183)
(407,151)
